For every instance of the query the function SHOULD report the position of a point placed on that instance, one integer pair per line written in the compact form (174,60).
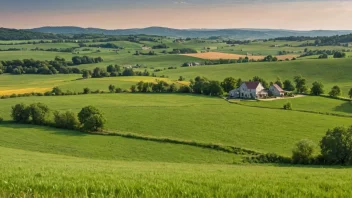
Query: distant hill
(240,34)
(13,34)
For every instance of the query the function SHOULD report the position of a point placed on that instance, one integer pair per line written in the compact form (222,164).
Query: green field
(311,103)
(39,161)
(35,174)
(196,118)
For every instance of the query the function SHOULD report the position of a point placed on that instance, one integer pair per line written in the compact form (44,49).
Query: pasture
(196,118)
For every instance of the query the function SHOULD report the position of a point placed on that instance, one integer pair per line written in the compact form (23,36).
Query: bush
(336,146)
(335,91)
(303,151)
(66,120)
(288,106)
(86,91)
(39,113)
(20,113)
(1,119)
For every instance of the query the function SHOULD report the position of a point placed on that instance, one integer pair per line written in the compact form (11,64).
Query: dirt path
(272,99)
(219,55)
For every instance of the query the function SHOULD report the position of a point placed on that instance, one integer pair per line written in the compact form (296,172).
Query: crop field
(219,55)
(153,147)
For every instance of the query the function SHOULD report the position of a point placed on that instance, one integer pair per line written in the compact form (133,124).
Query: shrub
(39,113)
(185,89)
(66,120)
(1,119)
(118,90)
(20,113)
(303,151)
(112,88)
(336,146)
(57,91)
(288,106)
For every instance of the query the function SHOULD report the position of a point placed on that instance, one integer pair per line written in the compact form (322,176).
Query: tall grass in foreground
(31,174)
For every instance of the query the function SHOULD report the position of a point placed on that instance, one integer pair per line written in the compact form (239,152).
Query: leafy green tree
(335,91)
(172,88)
(57,91)
(336,146)
(288,86)
(86,74)
(317,88)
(239,82)
(228,84)
(279,82)
(20,113)
(185,89)
(350,93)
(261,80)
(301,86)
(181,78)
(198,85)
(86,90)
(213,88)
(133,88)
(95,122)
(112,88)
(39,113)
(303,151)
(86,112)
(66,120)
(339,55)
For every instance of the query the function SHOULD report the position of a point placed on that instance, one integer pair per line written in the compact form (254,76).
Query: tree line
(58,65)
(89,119)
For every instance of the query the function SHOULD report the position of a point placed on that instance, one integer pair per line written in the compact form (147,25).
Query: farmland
(150,146)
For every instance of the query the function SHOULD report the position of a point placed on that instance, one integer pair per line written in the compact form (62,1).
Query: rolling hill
(241,34)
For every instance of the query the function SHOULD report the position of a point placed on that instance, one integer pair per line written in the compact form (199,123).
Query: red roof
(278,88)
(252,85)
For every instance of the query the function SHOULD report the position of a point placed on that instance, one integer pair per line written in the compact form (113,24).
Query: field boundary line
(218,147)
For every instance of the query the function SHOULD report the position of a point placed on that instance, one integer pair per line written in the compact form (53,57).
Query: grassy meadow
(196,118)
(38,161)
(35,174)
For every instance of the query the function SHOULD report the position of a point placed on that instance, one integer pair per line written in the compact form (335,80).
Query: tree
(86,112)
(95,122)
(288,86)
(39,113)
(261,80)
(128,72)
(57,91)
(66,120)
(228,84)
(339,55)
(323,56)
(300,84)
(181,78)
(112,88)
(303,151)
(335,91)
(172,88)
(279,82)
(317,88)
(185,89)
(350,93)
(86,90)
(336,146)
(20,113)
(133,88)
(86,74)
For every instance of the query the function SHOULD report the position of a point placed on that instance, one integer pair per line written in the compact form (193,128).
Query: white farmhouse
(276,90)
(256,90)
(249,90)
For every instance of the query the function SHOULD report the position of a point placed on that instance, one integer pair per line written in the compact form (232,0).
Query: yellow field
(219,55)
(26,90)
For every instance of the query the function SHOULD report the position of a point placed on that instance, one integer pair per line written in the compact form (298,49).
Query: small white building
(276,90)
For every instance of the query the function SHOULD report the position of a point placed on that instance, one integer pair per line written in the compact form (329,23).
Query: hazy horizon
(184,14)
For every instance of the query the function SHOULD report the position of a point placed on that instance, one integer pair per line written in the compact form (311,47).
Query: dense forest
(12,34)
(320,41)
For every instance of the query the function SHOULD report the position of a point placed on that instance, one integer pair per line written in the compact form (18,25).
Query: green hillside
(196,118)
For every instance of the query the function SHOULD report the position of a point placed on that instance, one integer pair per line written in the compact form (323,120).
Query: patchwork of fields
(40,161)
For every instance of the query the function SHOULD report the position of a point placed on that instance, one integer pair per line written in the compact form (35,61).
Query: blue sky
(115,14)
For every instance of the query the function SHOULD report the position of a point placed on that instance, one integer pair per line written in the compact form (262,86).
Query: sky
(182,14)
